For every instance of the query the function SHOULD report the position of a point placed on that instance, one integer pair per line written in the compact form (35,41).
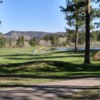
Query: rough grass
(21,63)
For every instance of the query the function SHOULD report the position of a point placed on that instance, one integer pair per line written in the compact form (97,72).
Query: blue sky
(32,15)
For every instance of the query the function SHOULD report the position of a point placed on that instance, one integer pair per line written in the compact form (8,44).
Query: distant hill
(28,34)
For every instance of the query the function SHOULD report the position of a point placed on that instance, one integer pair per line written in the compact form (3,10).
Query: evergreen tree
(54,40)
(74,19)
(89,15)
(32,42)
(20,41)
(3,41)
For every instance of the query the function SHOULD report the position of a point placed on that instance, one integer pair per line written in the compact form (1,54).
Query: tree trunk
(76,39)
(87,44)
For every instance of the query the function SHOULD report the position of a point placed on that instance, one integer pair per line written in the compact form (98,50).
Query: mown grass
(21,63)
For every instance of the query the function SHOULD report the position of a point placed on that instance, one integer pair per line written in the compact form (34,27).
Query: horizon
(32,31)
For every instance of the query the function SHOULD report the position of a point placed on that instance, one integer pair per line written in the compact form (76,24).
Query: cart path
(77,82)
(48,91)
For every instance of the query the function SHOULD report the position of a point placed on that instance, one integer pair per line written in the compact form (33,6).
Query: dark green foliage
(77,11)
(98,38)
(71,37)
(32,42)
(53,38)
(10,43)
(81,39)
(72,6)
(95,35)
(20,41)
(75,16)
(3,41)
(47,37)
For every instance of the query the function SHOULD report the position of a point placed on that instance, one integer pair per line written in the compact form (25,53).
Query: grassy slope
(50,66)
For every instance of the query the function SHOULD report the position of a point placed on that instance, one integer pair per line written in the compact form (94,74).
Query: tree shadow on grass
(17,55)
(56,66)
(45,57)
(46,66)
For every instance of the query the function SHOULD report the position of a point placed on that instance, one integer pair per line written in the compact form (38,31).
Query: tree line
(52,39)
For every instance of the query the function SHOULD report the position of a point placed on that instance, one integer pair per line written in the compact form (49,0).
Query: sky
(32,15)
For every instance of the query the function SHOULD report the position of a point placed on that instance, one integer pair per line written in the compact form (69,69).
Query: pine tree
(89,16)
(32,42)
(75,18)
(20,41)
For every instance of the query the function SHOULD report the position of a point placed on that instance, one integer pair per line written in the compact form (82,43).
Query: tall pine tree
(89,15)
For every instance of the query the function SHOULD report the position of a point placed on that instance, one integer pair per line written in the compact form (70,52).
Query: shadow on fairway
(48,55)
(46,66)
(16,55)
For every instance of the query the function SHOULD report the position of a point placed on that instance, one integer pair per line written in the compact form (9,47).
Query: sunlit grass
(24,81)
